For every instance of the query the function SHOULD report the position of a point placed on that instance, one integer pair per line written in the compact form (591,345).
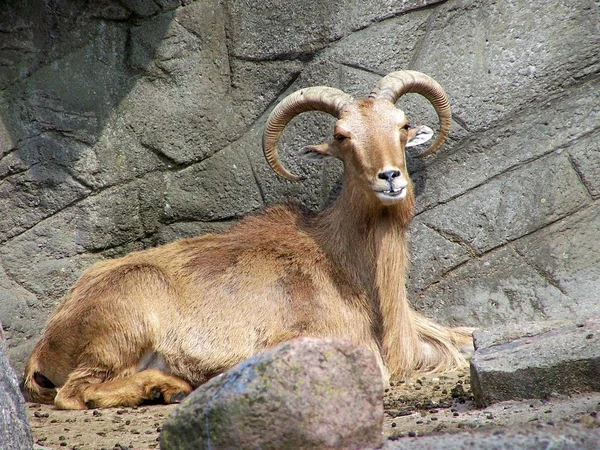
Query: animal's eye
(407,126)
(339,137)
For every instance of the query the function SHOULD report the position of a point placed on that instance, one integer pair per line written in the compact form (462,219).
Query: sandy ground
(424,406)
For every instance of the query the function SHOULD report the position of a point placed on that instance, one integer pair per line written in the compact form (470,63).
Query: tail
(36,387)
(447,348)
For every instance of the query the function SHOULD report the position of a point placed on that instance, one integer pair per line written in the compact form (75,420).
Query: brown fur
(196,307)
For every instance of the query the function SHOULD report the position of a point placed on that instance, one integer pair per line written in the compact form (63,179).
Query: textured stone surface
(552,123)
(564,437)
(306,393)
(585,155)
(221,187)
(302,27)
(433,255)
(495,289)
(567,254)
(507,47)
(128,124)
(564,359)
(15,433)
(512,205)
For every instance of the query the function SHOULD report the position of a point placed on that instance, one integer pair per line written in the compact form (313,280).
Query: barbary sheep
(157,323)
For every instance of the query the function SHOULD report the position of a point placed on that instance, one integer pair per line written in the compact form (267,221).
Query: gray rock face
(550,274)
(303,394)
(129,124)
(550,359)
(15,433)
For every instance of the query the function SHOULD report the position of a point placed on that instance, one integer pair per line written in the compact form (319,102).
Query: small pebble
(97,413)
(411,434)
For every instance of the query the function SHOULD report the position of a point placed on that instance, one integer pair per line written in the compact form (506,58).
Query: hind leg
(85,390)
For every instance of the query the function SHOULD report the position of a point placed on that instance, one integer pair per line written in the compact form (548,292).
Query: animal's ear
(419,135)
(317,152)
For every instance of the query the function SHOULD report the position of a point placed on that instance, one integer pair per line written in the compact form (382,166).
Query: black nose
(389,175)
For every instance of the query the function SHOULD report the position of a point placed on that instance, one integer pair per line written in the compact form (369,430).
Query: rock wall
(128,124)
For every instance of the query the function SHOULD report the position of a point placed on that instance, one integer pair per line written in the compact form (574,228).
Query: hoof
(178,397)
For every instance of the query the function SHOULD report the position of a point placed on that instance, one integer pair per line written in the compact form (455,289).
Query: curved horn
(317,98)
(396,84)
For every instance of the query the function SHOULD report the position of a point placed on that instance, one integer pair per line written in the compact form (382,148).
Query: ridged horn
(396,84)
(316,98)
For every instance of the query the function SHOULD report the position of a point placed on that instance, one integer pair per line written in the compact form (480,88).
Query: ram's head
(370,135)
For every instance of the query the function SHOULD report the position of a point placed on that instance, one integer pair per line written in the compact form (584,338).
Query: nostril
(388,175)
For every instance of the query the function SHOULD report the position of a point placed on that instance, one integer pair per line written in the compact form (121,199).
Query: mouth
(394,192)
(388,196)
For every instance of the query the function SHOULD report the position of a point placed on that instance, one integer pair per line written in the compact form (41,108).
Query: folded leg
(86,389)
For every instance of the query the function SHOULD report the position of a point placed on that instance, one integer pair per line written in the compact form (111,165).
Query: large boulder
(14,427)
(304,394)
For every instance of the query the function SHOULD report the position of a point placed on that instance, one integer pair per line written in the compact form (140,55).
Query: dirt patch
(112,428)
(418,407)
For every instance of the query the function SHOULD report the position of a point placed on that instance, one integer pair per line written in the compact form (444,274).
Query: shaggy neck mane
(369,241)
